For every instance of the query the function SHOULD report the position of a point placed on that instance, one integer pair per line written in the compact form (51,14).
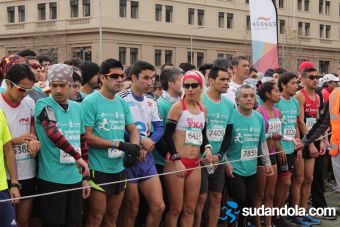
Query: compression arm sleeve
(226,139)
(56,136)
(84,147)
(170,128)
(158,131)
(264,151)
(205,138)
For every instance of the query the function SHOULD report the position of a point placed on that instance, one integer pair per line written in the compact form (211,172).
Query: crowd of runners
(128,147)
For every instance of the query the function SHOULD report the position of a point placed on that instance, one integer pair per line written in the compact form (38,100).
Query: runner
(145,113)
(19,111)
(248,141)
(60,129)
(186,137)
(219,127)
(289,108)
(75,87)
(106,117)
(89,71)
(308,113)
(269,94)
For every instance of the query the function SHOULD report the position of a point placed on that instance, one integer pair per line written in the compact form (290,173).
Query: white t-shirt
(231,91)
(20,118)
(144,111)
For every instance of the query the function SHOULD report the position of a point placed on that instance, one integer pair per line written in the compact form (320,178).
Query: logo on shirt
(102,126)
(238,138)
(131,103)
(149,103)
(24,120)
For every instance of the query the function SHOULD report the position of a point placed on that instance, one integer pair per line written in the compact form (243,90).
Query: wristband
(286,138)
(175,157)
(15,185)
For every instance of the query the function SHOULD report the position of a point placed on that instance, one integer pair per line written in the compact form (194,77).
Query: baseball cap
(329,77)
(305,64)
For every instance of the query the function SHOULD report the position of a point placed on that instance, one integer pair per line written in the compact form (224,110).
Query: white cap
(329,77)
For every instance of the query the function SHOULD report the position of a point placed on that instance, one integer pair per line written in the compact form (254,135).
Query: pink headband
(193,75)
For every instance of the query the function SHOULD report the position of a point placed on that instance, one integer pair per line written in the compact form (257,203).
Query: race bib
(248,154)
(274,126)
(289,132)
(193,137)
(114,153)
(21,152)
(66,158)
(215,135)
(310,121)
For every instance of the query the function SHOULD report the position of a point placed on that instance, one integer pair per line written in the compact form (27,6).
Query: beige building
(160,31)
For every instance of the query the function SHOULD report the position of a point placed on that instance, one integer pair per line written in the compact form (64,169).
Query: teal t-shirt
(82,94)
(108,118)
(219,115)
(38,89)
(259,100)
(164,107)
(289,111)
(248,134)
(54,164)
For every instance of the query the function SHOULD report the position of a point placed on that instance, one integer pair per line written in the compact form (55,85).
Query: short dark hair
(222,63)
(43,58)
(252,69)
(140,66)
(88,70)
(73,62)
(169,75)
(264,88)
(26,52)
(108,64)
(280,71)
(77,77)
(19,72)
(307,70)
(203,68)
(285,78)
(213,73)
(166,64)
(236,60)
(186,67)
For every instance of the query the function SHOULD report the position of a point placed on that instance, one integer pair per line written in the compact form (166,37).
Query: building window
(282,26)
(41,11)
(122,8)
(158,12)
(86,8)
(328,31)
(300,24)
(53,10)
(168,56)
(247,1)
(321,30)
(328,5)
(320,6)
(248,23)
(122,55)
(200,59)
(134,9)
(230,17)
(323,66)
(281,4)
(133,55)
(307,29)
(158,57)
(200,17)
(168,13)
(306,5)
(191,16)
(83,53)
(299,5)
(21,12)
(221,19)
(220,55)
(74,8)
(10,14)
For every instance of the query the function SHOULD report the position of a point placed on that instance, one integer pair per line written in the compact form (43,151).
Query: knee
(299,179)
(132,208)
(157,208)
(287,182)
(215,198)
(175,211)
(201,200)
(96,216)
(259,195)
(308,179)
(269,196)
(189,209)
(112,216)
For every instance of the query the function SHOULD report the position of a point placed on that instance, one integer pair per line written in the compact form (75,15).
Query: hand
(15,194)
(276,137)
(299,155)
(215,159)
(229,171)
(282,157)
(82,166)
(33,147)
(86,191)
(269,171)
(298,145)
(143,154)
(179,166)
(313,152)
(322,148)
(24,138)
(207,156)
(148,144)
(326,142)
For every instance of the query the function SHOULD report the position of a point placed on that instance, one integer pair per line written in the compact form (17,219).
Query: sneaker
(299,221)
(312,220)
(280,222)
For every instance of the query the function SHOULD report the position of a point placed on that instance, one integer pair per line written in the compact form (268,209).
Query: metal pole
(190,45)
(100,33)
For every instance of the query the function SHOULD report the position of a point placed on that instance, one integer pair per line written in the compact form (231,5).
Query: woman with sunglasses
(186,139)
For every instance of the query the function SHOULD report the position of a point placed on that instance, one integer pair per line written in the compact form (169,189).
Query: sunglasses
(35,66)
(115,76)
(193,85)
(313,77)
(21,89)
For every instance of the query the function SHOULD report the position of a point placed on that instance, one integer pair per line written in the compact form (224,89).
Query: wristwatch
(16,185)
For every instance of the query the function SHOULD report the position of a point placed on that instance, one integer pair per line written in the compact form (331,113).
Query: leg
(191,193)
(260,188)
(131,204)
(297,180)
(153,193)
(97,207)
(23,212)
(269,195)
(281,190)
(307,182)
(318,186)
(175,189)
(113,204)
(202,198)
(214,208)
(336,168)
(237,191)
